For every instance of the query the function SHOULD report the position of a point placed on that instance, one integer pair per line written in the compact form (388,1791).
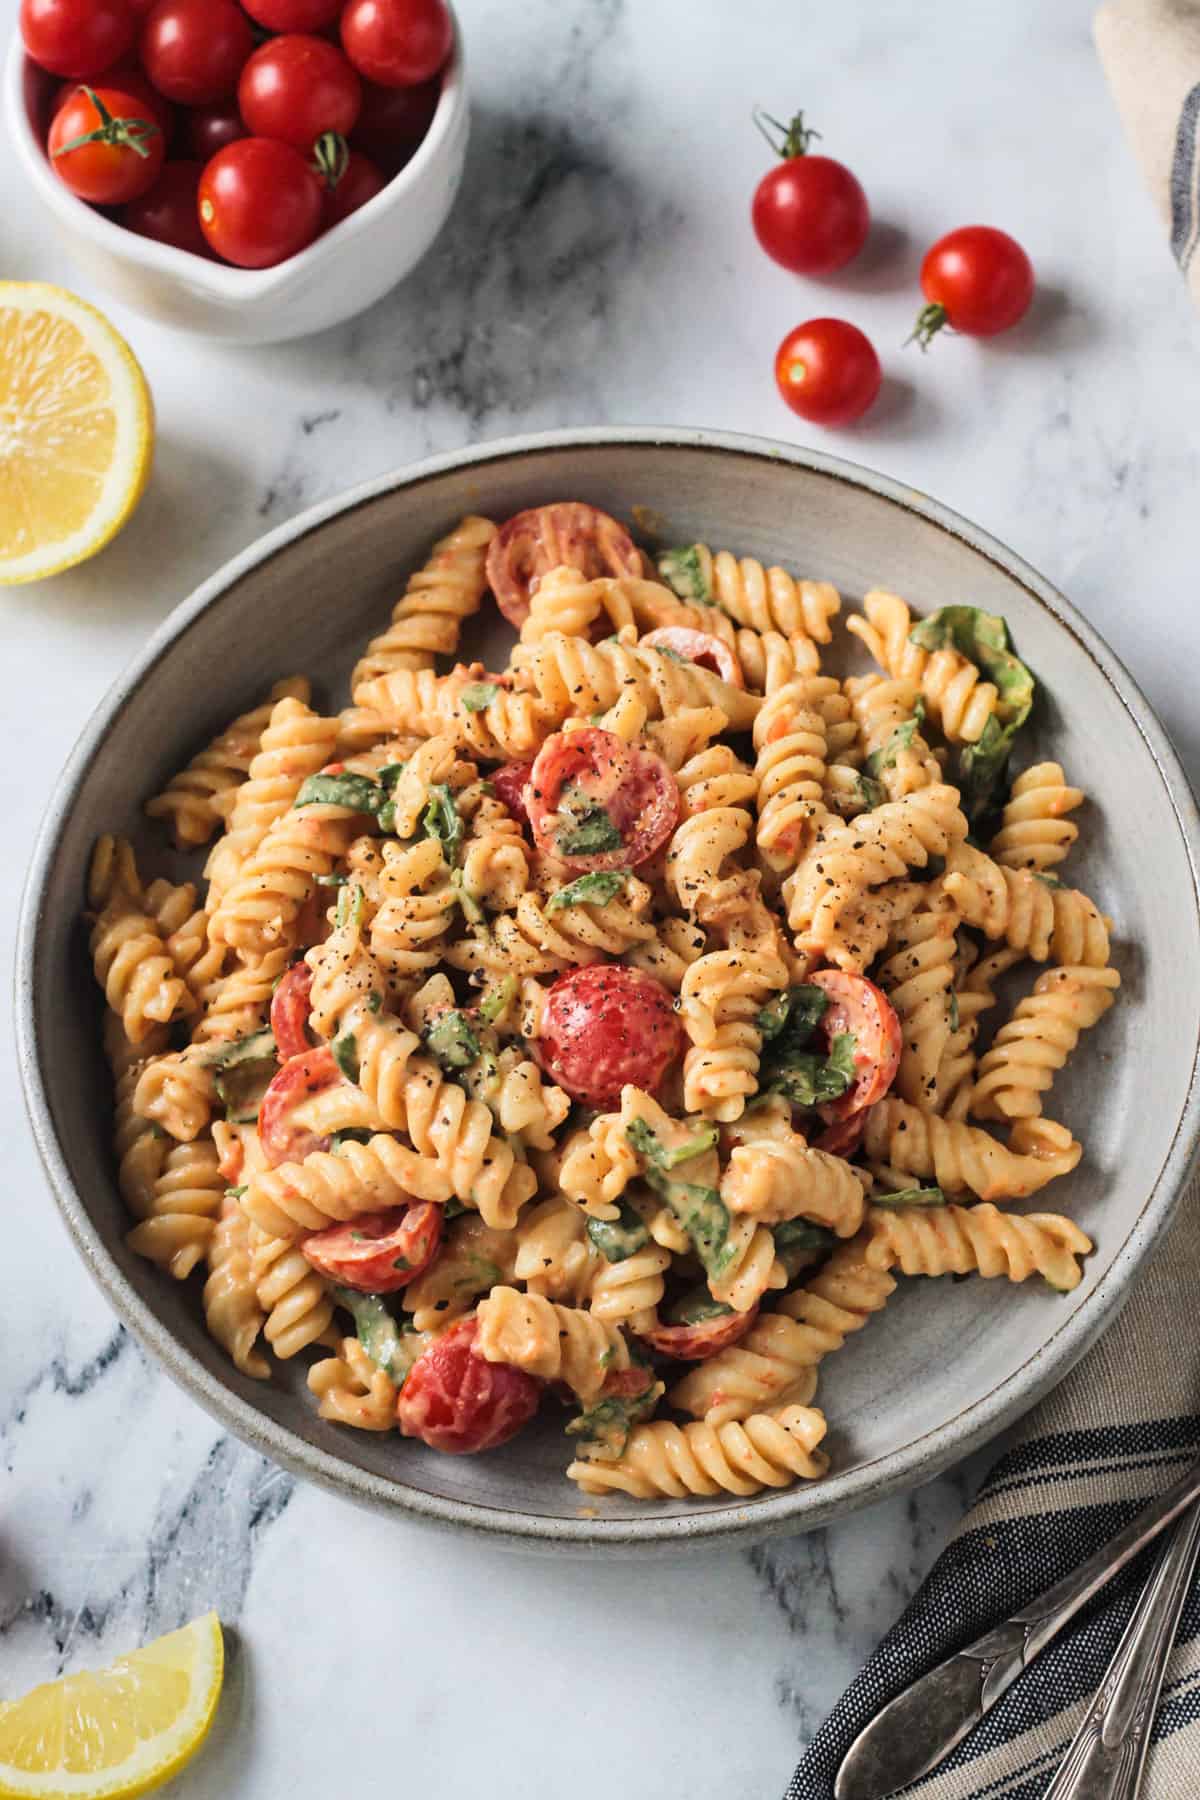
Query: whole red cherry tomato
(810,212)
(193,50)
(259,203)
(104,147)
(294,88)
(168,212)
(293,15)
(858,1006)
(698,1341)
(510,783)
(290,1007)
(358,181)
(532,543)
(456,1401)
(392,121)
(604,1027)
(207,129)
(977,280)
(699,647)
(301,1076)
(377,1253)
(81,38)
(594,803)
(397,43)
(130,79)
(828,372)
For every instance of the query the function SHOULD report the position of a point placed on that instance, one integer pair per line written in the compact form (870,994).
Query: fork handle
(1108,1752)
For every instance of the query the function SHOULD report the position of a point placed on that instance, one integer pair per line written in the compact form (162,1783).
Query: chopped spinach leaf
(697,1307)
(619,1238)
(394,1347)
(453,1040)
(443,821)
(345,1054)
(914,1196)
(351,1135)
(798,1234)
(351,905)
(983,639)
(241,1071)
(703,1215)
(683,572)
(806,1079)
(604,1427)
(478,696)
(235,1193)
(596,889)
(901,739)
(798,1013)
(494,1005)
(650,1146)
(390,774)
(671,655)
(871,793)
(472,911)
(454,1208)
(589,833)
(358,792)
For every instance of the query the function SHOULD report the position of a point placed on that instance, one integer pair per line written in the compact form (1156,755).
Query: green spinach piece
(596,889)
(619,1238)
(604,1427)
(983,639)
(453,1039)
(914,1196)
(683,571)
(442,820)
(590,833)
(478,696)
(345,1054)
(651,1148)
(393,1346)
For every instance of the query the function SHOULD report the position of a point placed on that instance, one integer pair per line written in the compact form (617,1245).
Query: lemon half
(118,1731)
(76,430)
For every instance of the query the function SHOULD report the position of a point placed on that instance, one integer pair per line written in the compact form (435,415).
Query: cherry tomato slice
(858,1006)
(843,1138)
(587,785)
(458,1402)
(290,1007)
(694,1343)
(604,1027)
(510,783)
(532,543)
(379,1252)
(699,647)
(300,1076)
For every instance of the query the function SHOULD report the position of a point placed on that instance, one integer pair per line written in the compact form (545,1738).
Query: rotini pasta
(1035,831)
(427,620)
(963,1240)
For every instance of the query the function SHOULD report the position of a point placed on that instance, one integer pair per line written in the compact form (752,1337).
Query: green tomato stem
(121,133)
(930,320)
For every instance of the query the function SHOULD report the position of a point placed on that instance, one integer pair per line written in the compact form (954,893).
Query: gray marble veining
(600,267)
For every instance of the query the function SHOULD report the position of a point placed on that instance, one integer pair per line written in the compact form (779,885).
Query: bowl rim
(224,281)
(799,1508)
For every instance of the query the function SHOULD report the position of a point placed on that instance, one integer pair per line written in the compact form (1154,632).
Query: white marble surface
(600,268)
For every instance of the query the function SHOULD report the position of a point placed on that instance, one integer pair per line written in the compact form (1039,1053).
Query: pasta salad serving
(606,1029)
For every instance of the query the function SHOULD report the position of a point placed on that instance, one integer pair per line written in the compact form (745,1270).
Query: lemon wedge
(76,431)
(118,1731)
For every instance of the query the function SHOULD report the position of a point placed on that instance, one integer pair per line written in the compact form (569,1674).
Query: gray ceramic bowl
(947,1364)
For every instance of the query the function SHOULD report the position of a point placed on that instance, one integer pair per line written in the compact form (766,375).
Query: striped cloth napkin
(1150,50)
(1121,1428)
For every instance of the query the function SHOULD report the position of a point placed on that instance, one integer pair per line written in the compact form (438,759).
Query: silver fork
(1108,1753)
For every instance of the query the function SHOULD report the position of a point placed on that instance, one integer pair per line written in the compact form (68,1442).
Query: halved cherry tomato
(104,147)
(699,647)
(290,1007)
(858,1006)
(604,1027)
(587,785)
(456,1401)
(282,1140)
(693,1343)
(569,532)
(379,1252)
(842,1138)
(510,783)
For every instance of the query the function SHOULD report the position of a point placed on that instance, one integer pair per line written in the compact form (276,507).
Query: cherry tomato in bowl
(605,1027)
(294,88)
(392,121)
(856,1005)
(207,129)
(80,38)
(168,211)
(828,372)
(456,1401)
(104,147)
(809,213)
(570,532)
(380,1252)
(398,43)
(348,178)
(293,15)
(260,203)
(977,280)
(193,50)
(699,647)
(130,80)
(594,803)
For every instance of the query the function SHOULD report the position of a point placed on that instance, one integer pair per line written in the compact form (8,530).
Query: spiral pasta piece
(260,909)
(775,1180)
(749,1265)
(766,599)
(193,800)
(296,743)
(522,1102)
(328,1188)
(474,1258)
(495,858)
(597,1166)
(1030,1048)
(721,997)
(965,1240)
(972,997)
(128,953)
(1035,831)
(1015,906)
(568,602)
(537,940)
(670,953)
(630,1292)
(177,1092)
(789,736)
(960,1157)
(555,1343)
(774,1364)
(427,619)
(298,1309)
(848,859)
(353,1389)
(513,724)
(177,1225)
(885,711)
(917,977)
(140,1146)
(231,1309)
(951,687)
(661,1460)
(553,1256)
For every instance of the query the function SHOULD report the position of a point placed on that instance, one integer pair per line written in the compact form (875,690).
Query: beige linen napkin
(1150,50)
